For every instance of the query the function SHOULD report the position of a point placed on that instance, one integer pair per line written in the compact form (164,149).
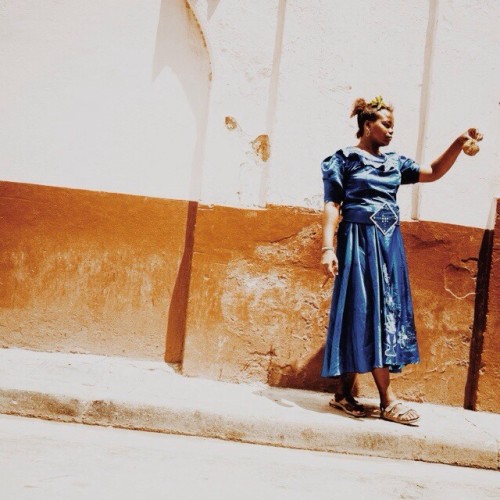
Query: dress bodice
(358,179)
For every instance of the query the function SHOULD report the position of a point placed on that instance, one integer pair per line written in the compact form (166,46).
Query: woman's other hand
(329,263)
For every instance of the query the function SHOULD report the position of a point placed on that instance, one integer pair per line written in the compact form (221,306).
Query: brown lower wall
(113,274)
(90,272)
(258,306)
(488,389)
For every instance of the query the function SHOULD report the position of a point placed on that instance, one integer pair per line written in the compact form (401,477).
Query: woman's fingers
(335,268)
(328,269)
(332,269)
(475,134)
(329,264)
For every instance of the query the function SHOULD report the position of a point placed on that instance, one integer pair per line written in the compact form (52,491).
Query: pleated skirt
(371,322)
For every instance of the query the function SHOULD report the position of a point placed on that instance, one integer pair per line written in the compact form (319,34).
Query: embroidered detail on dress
(396,334)
(385,218)
(389,316)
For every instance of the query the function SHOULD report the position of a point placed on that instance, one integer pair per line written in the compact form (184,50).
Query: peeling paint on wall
(262,147)
(230,123)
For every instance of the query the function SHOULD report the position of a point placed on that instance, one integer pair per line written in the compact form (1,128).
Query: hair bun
(358,106)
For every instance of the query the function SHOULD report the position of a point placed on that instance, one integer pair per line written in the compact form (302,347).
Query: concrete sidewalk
(146,395)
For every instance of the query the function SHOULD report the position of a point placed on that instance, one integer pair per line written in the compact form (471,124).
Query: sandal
(396,412)
(351,407)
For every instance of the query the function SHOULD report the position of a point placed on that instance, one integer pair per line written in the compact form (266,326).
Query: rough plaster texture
(327,62)
(258,306)
(117,97)
(442,260)
(89,272)
(112,274)
(300,92)
(134,97)
(489,373)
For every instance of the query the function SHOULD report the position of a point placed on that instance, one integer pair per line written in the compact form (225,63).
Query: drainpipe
(272,101)
(425,100)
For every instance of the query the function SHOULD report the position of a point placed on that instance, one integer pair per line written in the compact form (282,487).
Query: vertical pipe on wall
(482,308)
(272,101)
(480,319)
(424,100)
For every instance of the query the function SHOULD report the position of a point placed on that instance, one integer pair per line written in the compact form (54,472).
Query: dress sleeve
(333,178)
(410,170)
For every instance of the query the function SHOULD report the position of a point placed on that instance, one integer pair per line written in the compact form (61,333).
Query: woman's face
(381,130)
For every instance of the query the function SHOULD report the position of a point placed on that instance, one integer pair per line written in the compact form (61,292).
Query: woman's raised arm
(445,161)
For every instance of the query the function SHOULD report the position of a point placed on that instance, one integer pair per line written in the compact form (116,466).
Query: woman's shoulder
(344,158)
(341,155)
(352,157)
(335,161)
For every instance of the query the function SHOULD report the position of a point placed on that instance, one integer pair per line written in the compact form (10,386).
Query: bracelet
(324,249)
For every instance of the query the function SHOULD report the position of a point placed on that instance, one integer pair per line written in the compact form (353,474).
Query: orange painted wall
(258,308)
(114,274)
(488,391)
(84,271)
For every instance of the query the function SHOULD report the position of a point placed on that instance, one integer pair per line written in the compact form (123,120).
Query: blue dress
(371,319)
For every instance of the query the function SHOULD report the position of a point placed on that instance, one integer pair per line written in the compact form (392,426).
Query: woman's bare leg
(383,382)
(344,399)
(347,381)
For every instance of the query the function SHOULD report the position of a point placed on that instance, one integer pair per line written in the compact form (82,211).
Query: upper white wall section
(241,36)
(334,52)
(295,79)
(116,95)
(103,94)
(464,92)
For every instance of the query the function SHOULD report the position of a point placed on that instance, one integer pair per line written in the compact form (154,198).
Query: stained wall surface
(89,272)
(123,115)
(489,371)
(258,307)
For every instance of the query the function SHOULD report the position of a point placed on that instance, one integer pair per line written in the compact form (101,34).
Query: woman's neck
(369,147)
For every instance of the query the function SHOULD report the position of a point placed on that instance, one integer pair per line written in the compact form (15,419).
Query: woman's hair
(368,111)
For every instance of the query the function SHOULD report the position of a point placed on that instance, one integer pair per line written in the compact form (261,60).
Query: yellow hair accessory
(378,103)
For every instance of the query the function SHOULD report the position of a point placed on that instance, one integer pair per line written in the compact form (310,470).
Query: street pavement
(147,395)
(50,460)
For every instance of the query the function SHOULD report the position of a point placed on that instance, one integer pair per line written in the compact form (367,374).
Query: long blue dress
(371,319)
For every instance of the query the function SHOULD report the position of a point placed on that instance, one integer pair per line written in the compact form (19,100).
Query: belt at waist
(384,217)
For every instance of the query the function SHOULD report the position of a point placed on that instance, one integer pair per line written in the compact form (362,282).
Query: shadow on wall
(212,7)
(180,46)
(303,376)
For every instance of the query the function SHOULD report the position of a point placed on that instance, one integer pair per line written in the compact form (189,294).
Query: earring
(368,132)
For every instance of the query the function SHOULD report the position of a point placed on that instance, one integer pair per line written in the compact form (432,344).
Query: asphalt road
(49,460)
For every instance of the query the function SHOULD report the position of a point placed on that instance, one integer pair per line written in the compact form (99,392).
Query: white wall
(297,76)
(334,52)
(464,93)
(115,95)
(103,95)
(241,36)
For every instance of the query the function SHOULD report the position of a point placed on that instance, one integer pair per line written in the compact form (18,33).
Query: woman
(371,326)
